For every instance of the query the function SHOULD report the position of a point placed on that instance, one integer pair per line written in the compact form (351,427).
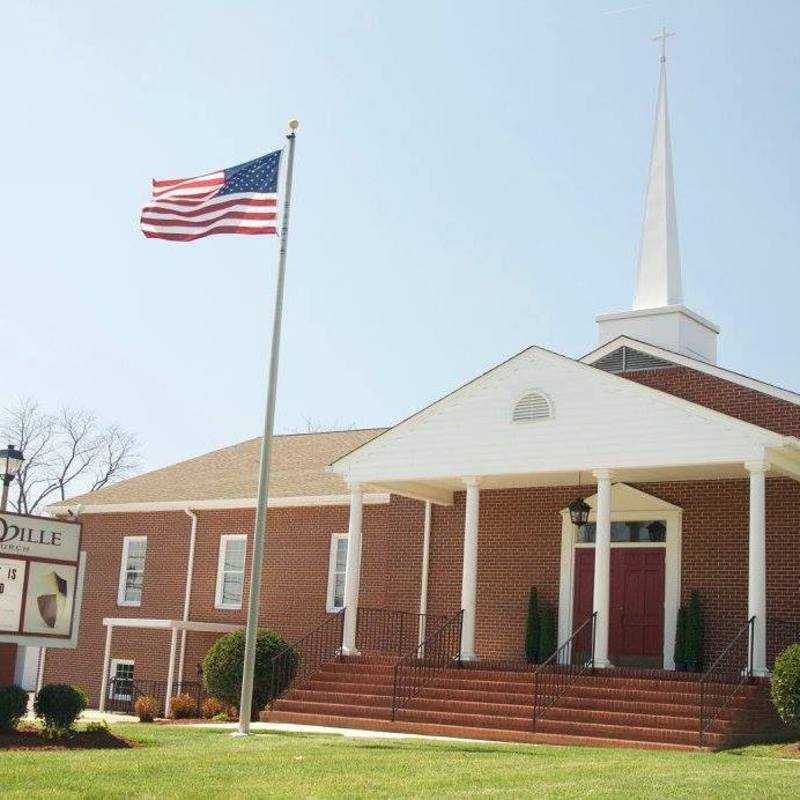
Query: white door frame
(628,505)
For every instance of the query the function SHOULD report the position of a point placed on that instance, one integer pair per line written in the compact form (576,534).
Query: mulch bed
(79,740)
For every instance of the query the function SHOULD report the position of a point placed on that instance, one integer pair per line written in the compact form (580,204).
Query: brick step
(574,695)
(384,673)
(632,732)
(603,725)
(625,719)
(463,732)
(645,696)
(331,709)
(617,713)
(519,693)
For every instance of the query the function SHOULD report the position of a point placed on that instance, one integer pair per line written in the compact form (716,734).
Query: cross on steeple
(662,37)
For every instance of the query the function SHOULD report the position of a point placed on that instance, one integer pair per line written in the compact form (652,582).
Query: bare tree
(65,453)
(315,425)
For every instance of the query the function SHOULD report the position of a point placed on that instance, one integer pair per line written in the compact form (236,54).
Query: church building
(629,487)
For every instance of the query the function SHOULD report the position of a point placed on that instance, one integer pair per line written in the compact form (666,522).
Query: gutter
(187,597)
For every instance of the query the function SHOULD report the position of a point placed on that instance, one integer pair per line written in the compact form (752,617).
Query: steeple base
(674,328)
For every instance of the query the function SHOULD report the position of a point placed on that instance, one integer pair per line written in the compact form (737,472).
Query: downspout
(423,590)
(187,598)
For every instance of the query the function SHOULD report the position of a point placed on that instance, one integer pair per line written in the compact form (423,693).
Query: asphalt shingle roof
(298,469)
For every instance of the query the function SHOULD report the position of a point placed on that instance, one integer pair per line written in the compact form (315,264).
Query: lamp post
(10,462)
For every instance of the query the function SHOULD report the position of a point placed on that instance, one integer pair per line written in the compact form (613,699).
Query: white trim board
(377,498)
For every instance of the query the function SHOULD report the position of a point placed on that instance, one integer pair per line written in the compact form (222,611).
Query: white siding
(602,421)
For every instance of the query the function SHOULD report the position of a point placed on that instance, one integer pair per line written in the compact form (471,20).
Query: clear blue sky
(469,181)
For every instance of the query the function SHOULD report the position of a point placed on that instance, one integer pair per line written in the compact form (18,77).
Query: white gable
(597,420)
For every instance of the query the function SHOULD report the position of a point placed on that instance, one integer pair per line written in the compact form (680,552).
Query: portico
(629,437)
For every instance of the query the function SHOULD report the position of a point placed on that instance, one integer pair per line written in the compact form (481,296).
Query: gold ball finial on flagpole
(294,124)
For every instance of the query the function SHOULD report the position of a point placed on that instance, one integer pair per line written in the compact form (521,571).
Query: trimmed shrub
(694,633)
(146,708)
(13,705)
(680,639)
(223,664)
(211,707)
(689,635)
(183,706)
(533,628)
(785,688)
(548,635)
(59,705)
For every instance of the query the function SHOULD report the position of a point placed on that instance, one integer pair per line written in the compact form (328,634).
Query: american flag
(241,199)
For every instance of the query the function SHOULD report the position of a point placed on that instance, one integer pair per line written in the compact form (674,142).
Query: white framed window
(230,571)
(337,571)
(131,571)
(120,684)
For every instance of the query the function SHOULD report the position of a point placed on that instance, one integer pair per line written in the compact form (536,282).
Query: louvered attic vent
(626,359)
(531,407)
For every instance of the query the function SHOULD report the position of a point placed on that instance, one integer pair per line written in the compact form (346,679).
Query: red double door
(636,627)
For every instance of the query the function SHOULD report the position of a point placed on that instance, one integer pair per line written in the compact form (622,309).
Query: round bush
(211,707)
(786,685)
(59,705)
(13,705)
(223,664)
(145,708)
(183,706)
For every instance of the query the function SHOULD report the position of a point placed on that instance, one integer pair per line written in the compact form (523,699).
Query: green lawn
(191,762)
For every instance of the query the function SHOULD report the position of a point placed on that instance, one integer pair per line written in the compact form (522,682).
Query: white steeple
(658,271)
(658,315)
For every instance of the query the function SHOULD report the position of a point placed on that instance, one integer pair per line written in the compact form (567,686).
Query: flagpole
(254,600)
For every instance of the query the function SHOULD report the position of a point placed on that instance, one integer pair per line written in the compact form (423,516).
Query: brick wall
(724,396)
(518,547)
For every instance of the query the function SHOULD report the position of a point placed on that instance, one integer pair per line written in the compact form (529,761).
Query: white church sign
(41,580)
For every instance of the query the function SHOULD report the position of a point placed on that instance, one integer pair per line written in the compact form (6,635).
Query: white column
(353,574)
(173,646)
(602,568)
(40,669)
(106,667)
(423,581)
(757,565)
(469,573)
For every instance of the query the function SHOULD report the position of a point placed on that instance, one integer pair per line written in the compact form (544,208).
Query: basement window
(120,684)
(532,407)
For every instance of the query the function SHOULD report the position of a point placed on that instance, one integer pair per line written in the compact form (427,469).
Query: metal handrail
(743,671)
(553,676)
(389,630)
(440,650)
(303,656)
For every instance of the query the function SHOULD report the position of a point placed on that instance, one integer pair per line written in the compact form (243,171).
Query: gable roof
(679,359)
(230,475)
(596,403)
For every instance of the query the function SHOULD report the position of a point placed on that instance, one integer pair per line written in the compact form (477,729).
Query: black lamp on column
(11,460)
(579,511)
